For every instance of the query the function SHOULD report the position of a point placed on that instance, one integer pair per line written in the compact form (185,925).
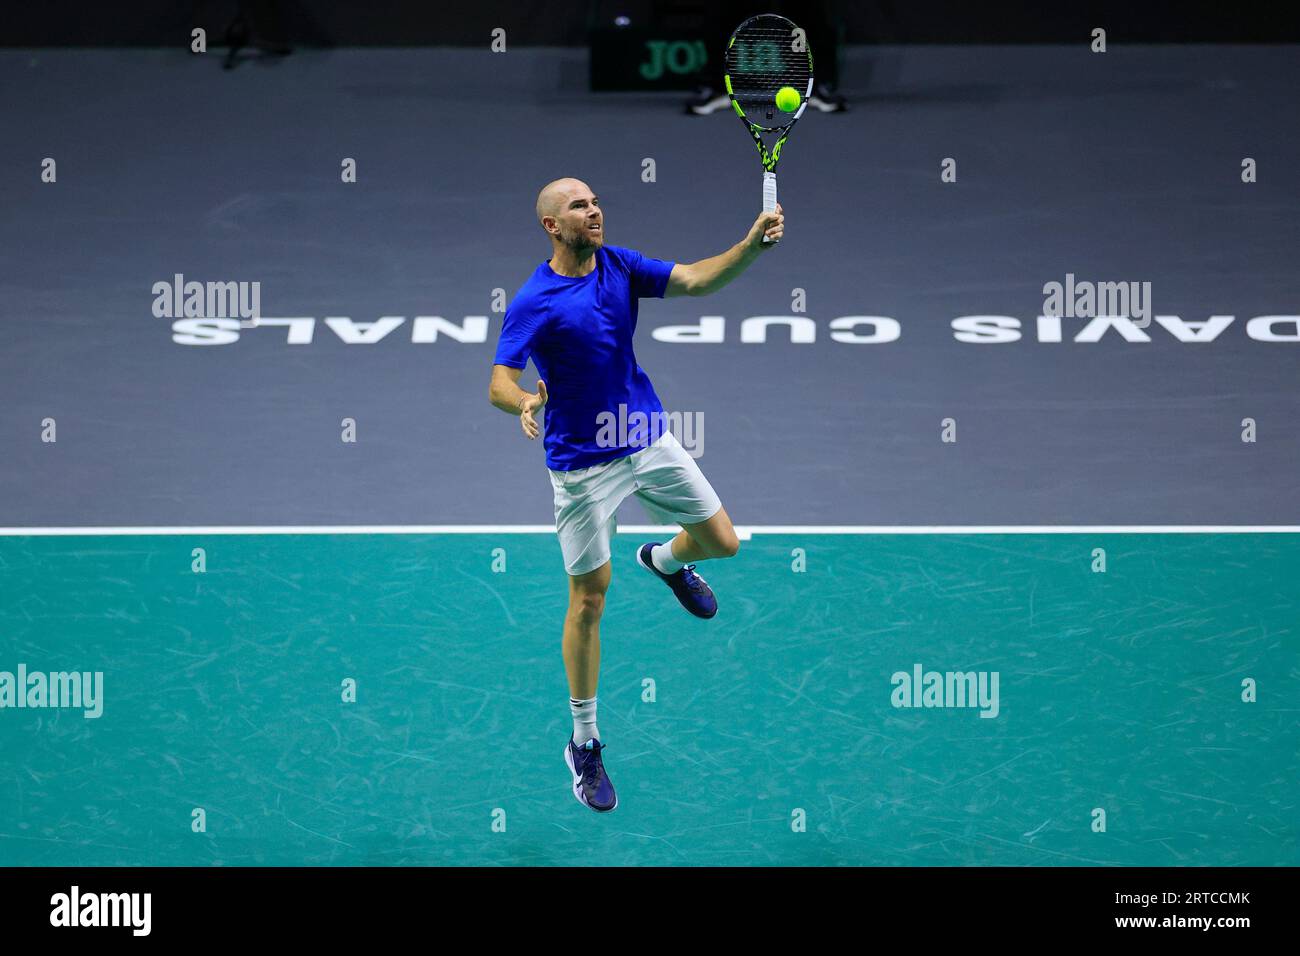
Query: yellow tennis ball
(787,99)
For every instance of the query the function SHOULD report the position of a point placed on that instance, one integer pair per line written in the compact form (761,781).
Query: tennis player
(575,317)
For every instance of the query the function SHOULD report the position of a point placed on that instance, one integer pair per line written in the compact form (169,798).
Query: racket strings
(762,60)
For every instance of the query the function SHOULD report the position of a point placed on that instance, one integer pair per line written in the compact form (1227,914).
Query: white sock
(662,557)
(584,720)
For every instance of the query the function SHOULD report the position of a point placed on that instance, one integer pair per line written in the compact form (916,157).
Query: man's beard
(583,239)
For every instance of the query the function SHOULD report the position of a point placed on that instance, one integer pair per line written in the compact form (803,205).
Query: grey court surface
(1160,691)
(1116,167)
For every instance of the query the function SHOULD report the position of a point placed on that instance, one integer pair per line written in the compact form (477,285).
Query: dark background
(537,23)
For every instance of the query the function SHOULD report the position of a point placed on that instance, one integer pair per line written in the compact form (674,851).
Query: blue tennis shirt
(578,333)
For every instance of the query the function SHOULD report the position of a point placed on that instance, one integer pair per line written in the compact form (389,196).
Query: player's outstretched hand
(529,404)
(771,224)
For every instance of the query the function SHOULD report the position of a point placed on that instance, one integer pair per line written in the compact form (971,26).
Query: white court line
(744,532)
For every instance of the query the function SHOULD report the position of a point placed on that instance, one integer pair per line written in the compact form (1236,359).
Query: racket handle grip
(769,195)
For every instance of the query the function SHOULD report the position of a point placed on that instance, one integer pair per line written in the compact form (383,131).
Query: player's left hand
(771,224)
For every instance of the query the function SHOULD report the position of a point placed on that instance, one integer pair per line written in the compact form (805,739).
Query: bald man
(575,318)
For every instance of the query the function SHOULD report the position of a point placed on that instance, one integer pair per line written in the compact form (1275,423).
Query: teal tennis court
(767,736)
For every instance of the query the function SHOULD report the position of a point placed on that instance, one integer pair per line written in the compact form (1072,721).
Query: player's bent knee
(724,548)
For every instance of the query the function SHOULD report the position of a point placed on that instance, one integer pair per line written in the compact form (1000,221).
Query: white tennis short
(664,477)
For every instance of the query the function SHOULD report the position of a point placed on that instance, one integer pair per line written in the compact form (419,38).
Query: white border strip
(1029,529)
(744,532)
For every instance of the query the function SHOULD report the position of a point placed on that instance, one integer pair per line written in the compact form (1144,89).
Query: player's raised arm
(710,275)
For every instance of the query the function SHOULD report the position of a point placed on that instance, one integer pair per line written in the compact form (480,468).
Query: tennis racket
(766,53)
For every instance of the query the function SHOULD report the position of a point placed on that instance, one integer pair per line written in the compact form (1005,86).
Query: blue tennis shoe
(693,592)
(591,785)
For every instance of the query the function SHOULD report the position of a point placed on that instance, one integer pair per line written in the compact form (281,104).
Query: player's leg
(581,643)
(672,487)
(585,503)
(712,538)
